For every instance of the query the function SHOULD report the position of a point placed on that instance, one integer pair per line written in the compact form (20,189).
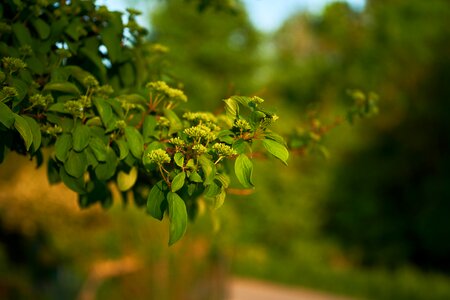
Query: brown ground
(249,289)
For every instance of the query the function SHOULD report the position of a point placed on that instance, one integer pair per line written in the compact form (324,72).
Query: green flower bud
(242,125)
(90,81)
(223,150)
(199,149)
(75,108)
(50,129)
(8,92)
(121,124)
(104,91)
(200,116)
(177,141)
(162,88)
(63,53)
(13,64)
(158,156)
(199,131)
(25,50)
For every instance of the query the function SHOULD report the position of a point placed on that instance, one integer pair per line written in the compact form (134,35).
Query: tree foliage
(76,79)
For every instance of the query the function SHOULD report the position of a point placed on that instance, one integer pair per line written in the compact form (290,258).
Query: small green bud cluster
(242,125)
(104,90)
(257,100)
(268,120)
(198,131)
(75,108)
(50,129)
(177,142)
(162,88)
(158,156)
(200,116)
(13,64)
(85,101)
(90,81)
(163,122)
(223,149)
(25,50)
(63,53)
(40,100)
(199,148)
(130,106)
(8,92)
(121,124)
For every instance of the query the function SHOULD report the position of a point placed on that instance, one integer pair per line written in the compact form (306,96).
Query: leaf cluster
(76,79)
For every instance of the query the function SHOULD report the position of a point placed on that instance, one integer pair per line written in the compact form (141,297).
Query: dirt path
(248,289)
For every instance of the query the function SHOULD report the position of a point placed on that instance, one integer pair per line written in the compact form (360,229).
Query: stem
(219,159)
(162,174)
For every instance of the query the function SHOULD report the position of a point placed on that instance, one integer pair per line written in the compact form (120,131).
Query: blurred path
(249,289)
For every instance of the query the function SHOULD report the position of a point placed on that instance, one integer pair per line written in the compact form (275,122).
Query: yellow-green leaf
(177,217)
(125,181)
(243,167)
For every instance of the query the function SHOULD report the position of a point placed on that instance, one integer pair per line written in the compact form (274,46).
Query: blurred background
(364,213)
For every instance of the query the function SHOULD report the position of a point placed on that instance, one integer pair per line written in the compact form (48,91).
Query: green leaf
(125,181)
(76,164)
(212,190)
(6,115)
(93,55)
(209,169)
(24,129)
(36,131)
(75,184)
(276,149)
(231,108)
(21,87)
(135,141)
(62,146)
(22,34)
(175,122)
(107,169)
(53,172)
(81,136)
(123,148)
(241,146)
(42,28)
(195,177)
(219,199)
(178,182)
(127,74)
(58,107)
(98,148)
(112,39)
(77,73)
(156,204)
(275,137)
(223,179)
(148,128)
(243,168)
(104,110)
(64,87)
(177,217)
(242,100)
(179,159)
(90,157)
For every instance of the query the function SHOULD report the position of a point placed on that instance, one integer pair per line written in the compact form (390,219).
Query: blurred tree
(389,201)
(215,57)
